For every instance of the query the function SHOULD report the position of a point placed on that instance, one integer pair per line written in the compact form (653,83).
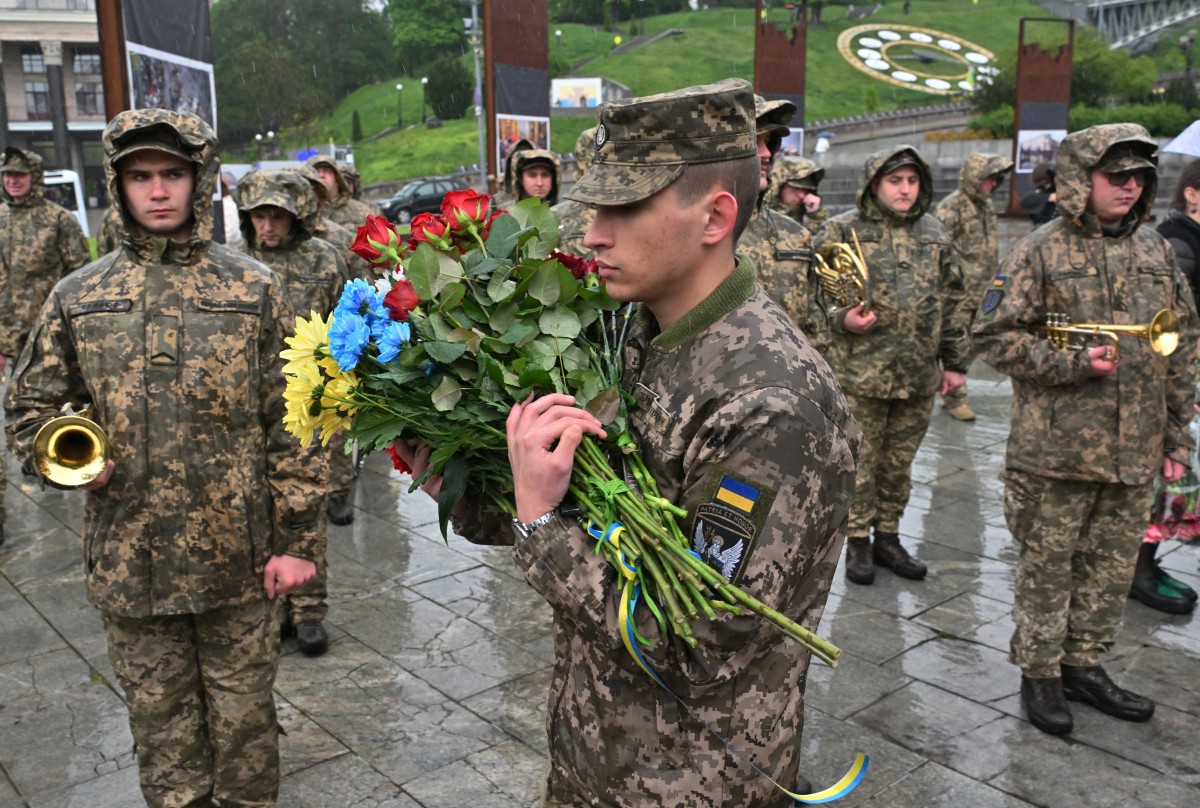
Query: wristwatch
(525,529)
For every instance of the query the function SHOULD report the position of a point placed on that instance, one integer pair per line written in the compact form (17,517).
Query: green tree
(451,88)
(355,128)
(425,30)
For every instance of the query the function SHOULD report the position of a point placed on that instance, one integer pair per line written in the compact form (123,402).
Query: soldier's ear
(721,210)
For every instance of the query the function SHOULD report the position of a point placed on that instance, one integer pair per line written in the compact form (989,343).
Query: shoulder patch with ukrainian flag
(994,295)
(729,521)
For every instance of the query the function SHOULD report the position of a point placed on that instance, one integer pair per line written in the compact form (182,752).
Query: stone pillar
(3,105)
(53,57)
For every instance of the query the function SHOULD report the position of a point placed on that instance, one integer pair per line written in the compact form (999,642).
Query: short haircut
(739,177)
(1190,178)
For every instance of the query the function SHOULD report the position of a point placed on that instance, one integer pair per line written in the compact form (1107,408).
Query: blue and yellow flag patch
(729,520)
(737,494)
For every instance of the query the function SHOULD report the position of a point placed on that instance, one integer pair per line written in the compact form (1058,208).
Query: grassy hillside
(716,43)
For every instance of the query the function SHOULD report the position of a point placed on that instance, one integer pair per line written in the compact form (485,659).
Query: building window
(37,101)
(32,61)
(89,98)
(86,64)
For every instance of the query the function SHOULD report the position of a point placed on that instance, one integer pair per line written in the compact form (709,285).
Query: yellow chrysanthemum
(302,397)
(309,345)
(336,413)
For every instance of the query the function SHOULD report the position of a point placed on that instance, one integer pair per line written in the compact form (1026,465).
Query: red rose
(378,242)
(401,300)
(580,267)
(461,209)
(397,461)
(429,228)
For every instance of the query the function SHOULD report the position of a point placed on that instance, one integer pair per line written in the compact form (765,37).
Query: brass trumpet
(70,450)
(843,273)
(1162,331)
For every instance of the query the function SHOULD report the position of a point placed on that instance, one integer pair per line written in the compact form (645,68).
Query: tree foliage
(281,63)
(425,30)
(610,12)
(451,88)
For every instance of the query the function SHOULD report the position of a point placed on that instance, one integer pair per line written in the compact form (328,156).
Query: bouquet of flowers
(474,312)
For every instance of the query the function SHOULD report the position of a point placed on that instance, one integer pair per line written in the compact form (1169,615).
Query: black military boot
(312,638)
(889,553)
(339,509)
(859,569)
(1046,705)
(1091,685)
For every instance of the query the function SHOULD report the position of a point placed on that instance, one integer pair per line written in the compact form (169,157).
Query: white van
(65,188)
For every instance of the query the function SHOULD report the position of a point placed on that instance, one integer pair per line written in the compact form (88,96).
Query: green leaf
(503,316)
(518,332)
(482,265)
(534,376)
(423,269)
(452,295)
(445,352)
(502,237)
(559,322)
(545,286)
(449,270)
(454,487)
(501,286)
(536,214)
(606,405)
(447,395)
(466,335)
(570,286)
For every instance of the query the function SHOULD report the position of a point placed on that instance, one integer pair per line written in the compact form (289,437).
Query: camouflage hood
(884,162)
(23,160)
(585,150)
(1081,151)
(790,170)
(178,132)
(977,168)
(283,189)
(510,159)
(527,157)
(323,160)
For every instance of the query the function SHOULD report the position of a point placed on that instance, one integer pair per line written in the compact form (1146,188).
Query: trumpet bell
(1164,332)
(70,451)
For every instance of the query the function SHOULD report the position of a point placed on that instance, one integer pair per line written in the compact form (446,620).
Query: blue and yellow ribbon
(631,591)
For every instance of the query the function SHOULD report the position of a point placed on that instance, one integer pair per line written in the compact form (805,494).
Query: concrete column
(3,104)
(53,57)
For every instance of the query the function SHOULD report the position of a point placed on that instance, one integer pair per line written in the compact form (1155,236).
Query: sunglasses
(1119,179)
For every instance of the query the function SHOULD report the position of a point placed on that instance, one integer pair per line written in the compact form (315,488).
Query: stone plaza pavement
(432,692)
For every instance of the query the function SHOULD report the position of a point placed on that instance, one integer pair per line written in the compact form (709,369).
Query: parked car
(64,188)
(419,196)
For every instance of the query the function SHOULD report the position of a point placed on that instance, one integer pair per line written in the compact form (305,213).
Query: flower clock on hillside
(474,311)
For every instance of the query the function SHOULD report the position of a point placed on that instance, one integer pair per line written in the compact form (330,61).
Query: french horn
(843,273)
(70,450)
(1162,332)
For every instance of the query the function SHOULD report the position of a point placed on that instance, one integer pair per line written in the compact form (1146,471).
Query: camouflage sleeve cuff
(481,522)
(307,545)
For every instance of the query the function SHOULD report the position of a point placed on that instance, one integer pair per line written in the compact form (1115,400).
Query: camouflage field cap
(773,117)
(1128,155)
(906,156)
(15,162)
(162,138)
(644,144)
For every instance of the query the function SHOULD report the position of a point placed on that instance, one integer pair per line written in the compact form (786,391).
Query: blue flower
(395,336)
(360,298)
(348,336)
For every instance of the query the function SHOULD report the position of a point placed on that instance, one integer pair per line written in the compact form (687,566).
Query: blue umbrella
(1187,142)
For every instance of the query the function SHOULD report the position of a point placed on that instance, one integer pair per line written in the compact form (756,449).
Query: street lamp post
(475,38)
(265,144)
(424,88)
(1185,45)
(399,106)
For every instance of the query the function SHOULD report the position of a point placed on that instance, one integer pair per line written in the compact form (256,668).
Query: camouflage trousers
(201,708)
(892,432)
(1078,544)
(5,375)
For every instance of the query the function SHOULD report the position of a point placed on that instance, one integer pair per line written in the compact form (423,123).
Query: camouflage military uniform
(40,242)
(971,224)
(313,273)
(1083,451)
(528,157)
(574,218)
(766,419)
(345,210)
(891,373)
(112,231)
(507,191)
(802,173)
(177,346)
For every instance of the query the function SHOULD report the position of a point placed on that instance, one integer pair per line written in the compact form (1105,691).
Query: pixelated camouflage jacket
(312,270)
(800,171)
(41,242)
(768,422)
(1066,425)
(971,223)
(112,231)
(781,252)
(345,210)
(917,295)
(574,219)
(177,346)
